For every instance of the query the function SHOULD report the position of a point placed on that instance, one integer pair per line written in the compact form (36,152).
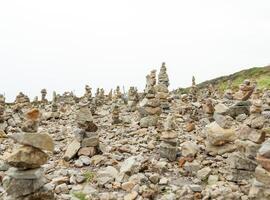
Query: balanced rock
(27,157)
(42,141)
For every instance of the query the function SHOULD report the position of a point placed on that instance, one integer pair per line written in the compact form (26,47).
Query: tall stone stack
(102,96)
(43,96)
(86,140)
(2,108)
(193,92)
(133,99)
(220,135)
(169,141)
(22,98)
(97,101)
(25,178)
(149,107)
(88,94)
(115,111)
(110,95)
(162,88)
(117,96)
(261,185)
(150,81)
(54,107)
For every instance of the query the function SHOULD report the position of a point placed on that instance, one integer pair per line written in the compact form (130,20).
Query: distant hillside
(259,74)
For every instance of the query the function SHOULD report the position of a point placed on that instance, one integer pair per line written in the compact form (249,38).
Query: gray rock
(189,149)
(92,141)
(238,161)
(25,174)
(204,173)
(265,149)
(72,150)
(20,187)
(196,188)
(225,122)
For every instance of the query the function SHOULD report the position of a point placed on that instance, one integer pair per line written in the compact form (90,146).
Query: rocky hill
(260,74)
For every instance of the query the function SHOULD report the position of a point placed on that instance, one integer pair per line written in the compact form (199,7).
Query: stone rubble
(156,144)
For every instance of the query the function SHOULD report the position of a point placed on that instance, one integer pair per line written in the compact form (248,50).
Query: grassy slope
(259,74)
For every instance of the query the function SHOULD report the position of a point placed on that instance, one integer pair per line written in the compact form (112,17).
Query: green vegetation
(259,74)
(89,176)
(80,195)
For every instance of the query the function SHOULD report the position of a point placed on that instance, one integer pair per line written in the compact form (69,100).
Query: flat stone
(27,157)
(220,150)
(42,141)
(21,187)
(72,150)
(25,174)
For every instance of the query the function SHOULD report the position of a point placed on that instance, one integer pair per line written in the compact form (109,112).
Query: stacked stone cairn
(86,140)
(133,99)
(169,141)
(88,93)
(260,188)
(117,96)
(245,91)
(43,96)
(193,92)
(2,108)
(115,111)
(162,88)
(55,114)
(149,107)
(220,135)
(102,96)
(110,96)
(21,102)
(25,178)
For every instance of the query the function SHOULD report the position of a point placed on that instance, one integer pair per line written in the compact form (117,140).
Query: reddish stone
(264,162)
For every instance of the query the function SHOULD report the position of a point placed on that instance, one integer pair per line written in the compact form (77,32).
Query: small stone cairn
(86,140)
(25,178)
(169,141)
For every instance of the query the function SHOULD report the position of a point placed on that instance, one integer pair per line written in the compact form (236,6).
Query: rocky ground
(222,150)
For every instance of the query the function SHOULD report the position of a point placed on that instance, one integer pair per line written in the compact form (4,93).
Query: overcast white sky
(62,45)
